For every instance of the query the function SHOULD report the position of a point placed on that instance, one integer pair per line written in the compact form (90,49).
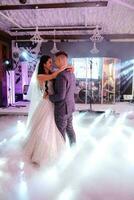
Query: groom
(63,98)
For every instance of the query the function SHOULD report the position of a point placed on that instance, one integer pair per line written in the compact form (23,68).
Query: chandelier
(54,50)
(36,38)
(94,50)
(96,37)
(15,50)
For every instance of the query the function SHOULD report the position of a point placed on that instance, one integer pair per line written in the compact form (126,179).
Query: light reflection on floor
(100,167)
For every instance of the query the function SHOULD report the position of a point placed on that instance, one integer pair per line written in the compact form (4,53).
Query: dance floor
(21,108)
(99,167)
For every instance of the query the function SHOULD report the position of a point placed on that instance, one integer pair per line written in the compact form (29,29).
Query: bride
(44,141)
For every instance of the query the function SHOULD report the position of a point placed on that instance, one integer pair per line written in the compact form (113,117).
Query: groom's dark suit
(63,99)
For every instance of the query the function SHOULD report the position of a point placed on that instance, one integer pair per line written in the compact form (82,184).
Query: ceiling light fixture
(54,49)
(96,37)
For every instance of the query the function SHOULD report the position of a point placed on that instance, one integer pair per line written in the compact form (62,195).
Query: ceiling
(72,21)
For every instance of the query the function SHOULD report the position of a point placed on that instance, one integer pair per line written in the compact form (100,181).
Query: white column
(24,66)
(10,87)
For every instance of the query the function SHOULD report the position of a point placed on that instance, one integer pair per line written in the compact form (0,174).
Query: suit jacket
(63,97)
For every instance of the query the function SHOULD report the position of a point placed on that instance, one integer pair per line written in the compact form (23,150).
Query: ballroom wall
(121,50)
(124,51)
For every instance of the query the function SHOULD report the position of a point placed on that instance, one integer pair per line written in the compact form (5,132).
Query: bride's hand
(63,68)
(70,68)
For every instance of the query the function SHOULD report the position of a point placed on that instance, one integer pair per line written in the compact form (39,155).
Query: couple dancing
(51,108)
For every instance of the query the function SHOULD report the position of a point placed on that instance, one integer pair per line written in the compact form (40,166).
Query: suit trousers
(65,126)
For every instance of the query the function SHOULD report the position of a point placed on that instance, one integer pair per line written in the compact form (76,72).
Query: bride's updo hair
(43,60)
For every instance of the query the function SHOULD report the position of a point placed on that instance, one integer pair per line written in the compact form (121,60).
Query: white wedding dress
(44,142)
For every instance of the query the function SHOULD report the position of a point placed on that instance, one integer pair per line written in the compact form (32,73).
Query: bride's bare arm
(48,77)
